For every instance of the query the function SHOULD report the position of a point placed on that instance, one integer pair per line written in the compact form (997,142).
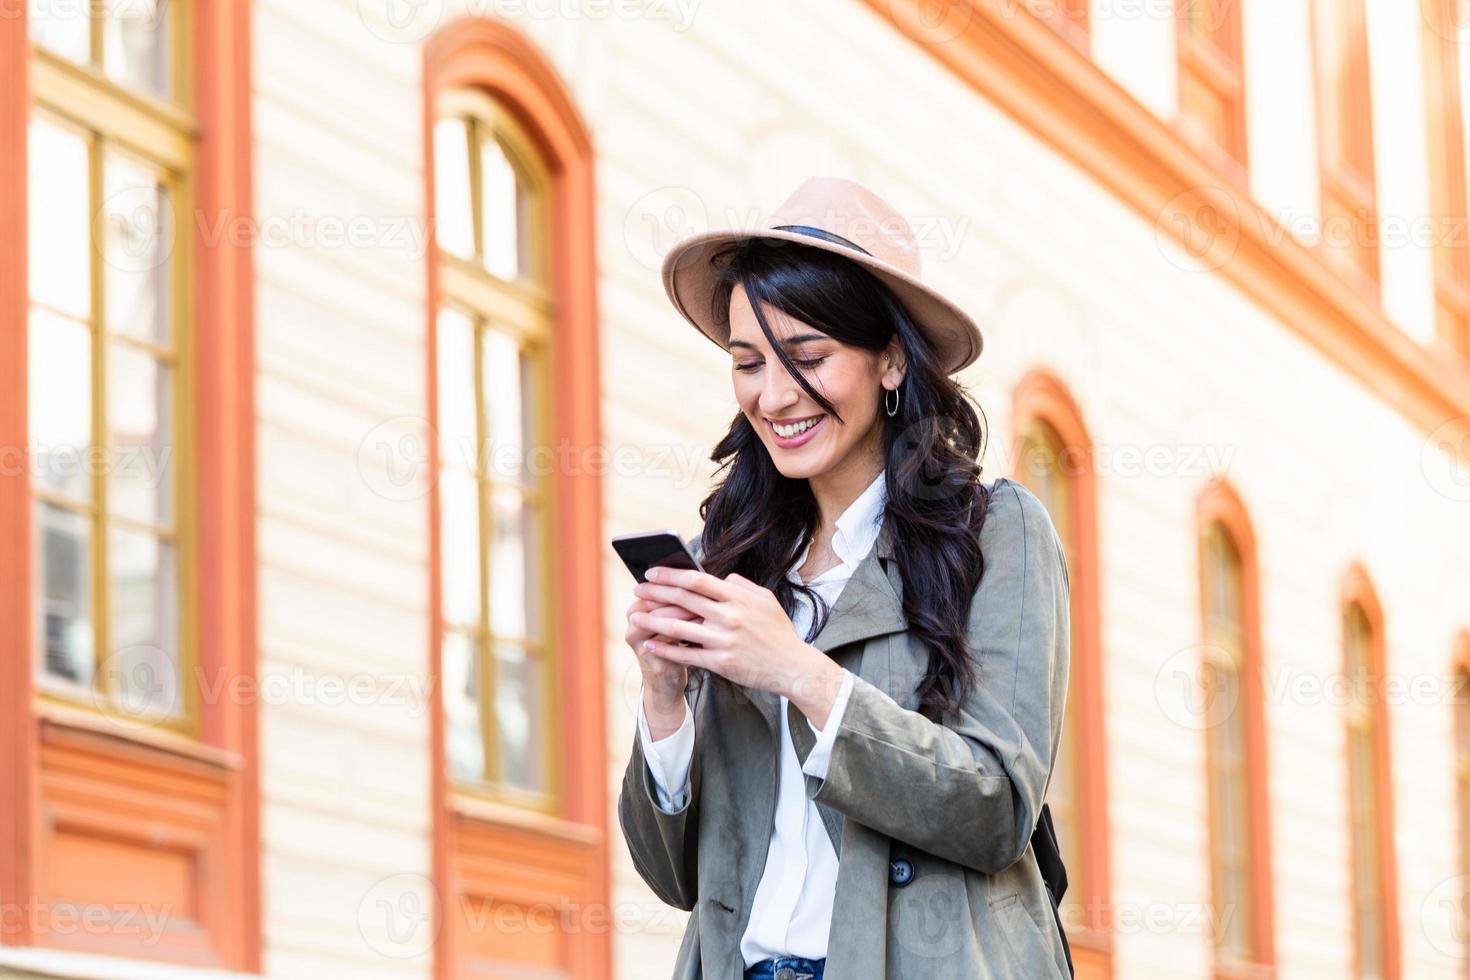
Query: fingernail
(652,575)
(637,619)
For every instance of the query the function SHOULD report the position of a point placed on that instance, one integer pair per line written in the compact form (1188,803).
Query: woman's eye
(810,363)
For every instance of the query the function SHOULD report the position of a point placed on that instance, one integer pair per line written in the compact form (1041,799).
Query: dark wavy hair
(757,521)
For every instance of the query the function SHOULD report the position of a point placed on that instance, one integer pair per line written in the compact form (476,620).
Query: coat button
(900,871)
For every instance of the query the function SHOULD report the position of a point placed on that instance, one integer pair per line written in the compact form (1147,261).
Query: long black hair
(757,521)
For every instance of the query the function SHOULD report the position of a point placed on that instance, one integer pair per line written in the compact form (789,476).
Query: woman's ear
(894,367)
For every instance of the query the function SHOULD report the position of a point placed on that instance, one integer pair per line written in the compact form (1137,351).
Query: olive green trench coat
(931,822)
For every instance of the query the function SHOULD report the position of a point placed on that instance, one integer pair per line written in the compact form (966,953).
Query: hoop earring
(894,410)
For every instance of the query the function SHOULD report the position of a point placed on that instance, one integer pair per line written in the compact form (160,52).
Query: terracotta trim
(1459,661)
(1220,503)
(18,752)
(1041,395)
(225,349)
(1357,587)
(1022,66)
(224,429)
(496,58)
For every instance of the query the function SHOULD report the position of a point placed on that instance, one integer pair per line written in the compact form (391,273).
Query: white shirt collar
(857,528)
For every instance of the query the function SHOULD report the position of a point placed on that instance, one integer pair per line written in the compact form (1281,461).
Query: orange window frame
(1220,505)
(1069,18)
(1346,168)
(1447,173)
(73,784)
(1212,85)
(477,841)
(1042,396)
(1460,744)
(1357,590)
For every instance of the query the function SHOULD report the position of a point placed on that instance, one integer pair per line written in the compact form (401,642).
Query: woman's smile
(797,436)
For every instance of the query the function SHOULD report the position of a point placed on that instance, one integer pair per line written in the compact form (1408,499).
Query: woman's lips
(800,439)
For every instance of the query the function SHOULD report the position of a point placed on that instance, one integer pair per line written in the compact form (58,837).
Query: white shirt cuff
(821,753)
(669,758)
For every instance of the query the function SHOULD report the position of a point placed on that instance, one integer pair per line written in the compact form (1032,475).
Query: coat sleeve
(970,789)
(664,844)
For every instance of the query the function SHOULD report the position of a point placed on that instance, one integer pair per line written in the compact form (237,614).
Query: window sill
(489,812)
(68,724)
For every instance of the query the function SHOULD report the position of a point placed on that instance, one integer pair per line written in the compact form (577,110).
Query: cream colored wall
(712,121)
(343,543)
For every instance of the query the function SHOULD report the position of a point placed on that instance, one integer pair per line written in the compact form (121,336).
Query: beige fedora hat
(840,216)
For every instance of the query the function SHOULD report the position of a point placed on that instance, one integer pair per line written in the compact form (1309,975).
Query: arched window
(1053,458)
(1460,702)
(1043,470)
(1235,733)
(494,327)
(520,777)
(1370,810)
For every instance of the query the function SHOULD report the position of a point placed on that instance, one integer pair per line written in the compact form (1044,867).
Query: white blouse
(792,911)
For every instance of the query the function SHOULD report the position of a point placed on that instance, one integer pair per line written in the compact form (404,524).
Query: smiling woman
(857,577)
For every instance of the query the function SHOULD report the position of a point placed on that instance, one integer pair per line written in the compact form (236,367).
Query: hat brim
(690,282)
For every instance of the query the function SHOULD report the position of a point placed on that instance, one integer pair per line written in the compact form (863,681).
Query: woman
(848,720)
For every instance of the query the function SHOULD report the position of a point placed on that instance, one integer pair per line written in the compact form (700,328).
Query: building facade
(334,350)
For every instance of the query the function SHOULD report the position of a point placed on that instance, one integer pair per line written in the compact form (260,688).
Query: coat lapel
(869,605)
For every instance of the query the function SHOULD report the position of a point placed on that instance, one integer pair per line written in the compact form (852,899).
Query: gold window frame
(522,309)
(164,136)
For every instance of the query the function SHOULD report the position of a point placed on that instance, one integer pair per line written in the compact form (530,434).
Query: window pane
(60,245)
(501,212)
(456,376)
(143,613)
(507,376)
(515,565)
(519,717)
(60,404)
(64,595)
(138,236)
(459,547)
(464,736)
(61,26)
(135,44)
(139,434)
(453,210)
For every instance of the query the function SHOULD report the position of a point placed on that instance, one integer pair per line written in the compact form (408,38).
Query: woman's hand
(744,635)
(663,679)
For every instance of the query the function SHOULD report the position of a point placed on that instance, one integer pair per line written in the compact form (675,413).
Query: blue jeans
(786,968)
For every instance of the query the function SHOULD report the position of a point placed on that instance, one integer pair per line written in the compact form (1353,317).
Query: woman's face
(851,378)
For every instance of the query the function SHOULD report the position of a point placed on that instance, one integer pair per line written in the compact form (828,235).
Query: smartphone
(645,549)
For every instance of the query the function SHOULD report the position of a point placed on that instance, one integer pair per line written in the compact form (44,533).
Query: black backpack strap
(1053,873)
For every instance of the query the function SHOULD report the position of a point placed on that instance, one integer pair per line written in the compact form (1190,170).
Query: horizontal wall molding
(1029,71)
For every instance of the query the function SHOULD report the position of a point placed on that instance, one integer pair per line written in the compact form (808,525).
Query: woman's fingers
(691,580)
(672,595)
(676,629)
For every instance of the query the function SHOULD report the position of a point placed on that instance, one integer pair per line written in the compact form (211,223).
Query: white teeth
(787,431)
